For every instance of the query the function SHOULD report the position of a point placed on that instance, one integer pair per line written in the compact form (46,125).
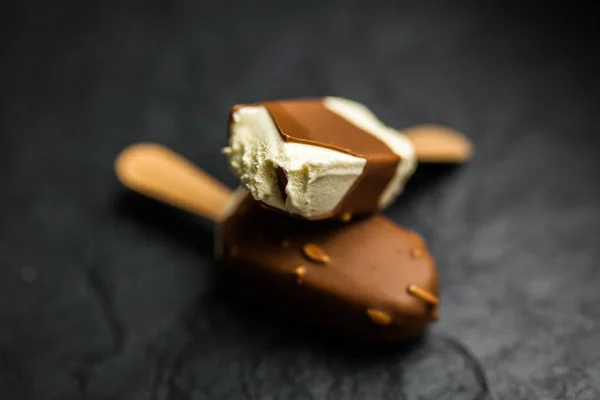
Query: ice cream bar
(318,158)
(367,280)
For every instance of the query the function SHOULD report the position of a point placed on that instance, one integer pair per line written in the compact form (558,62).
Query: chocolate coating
(350,279)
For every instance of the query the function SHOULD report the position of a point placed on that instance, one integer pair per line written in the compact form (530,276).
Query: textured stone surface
(105,295)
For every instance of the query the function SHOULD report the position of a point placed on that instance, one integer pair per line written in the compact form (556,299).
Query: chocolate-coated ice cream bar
(318,158)
(367,280)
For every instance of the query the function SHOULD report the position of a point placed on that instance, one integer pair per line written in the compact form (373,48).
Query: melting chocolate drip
(282,181)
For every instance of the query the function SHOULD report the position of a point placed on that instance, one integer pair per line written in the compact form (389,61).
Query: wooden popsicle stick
(439,144)
(157,172)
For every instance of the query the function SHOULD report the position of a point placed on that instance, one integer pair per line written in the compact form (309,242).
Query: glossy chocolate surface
(356,279)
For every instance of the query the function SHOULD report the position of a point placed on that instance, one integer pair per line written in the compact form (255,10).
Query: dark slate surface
(105,295)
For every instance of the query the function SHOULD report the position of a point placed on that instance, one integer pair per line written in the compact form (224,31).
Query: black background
(105,295)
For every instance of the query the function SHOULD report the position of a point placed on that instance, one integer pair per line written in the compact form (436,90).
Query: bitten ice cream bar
(318,158)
